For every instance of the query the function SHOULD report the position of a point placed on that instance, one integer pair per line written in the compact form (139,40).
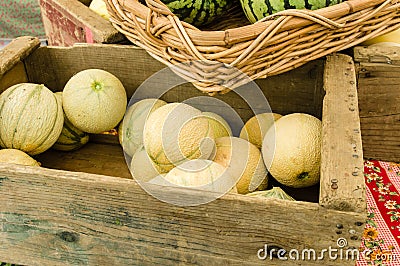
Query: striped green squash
(199,12)
(70,138)
(31,118)
(258,9)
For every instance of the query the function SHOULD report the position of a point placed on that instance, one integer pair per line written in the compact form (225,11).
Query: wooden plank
(16,51)
(15,75)
(67,22)
(342,179)
(377,54)
(81,218)
(379,97)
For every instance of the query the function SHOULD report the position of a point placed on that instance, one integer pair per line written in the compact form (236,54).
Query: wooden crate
(378,74)
(83,207)
(67,22)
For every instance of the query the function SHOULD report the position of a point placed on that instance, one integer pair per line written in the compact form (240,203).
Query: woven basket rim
(273,45)
(247,32)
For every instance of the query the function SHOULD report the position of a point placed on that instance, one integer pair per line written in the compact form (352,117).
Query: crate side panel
(301,91)
(342,179)
(378,53)
(13,76)
(379,97)
(109,221)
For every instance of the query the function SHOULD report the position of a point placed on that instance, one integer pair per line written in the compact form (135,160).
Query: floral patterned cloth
(381,239)
(19,18)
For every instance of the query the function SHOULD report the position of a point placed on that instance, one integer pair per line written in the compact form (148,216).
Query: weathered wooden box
(378,75)
(67,22)
(83,207)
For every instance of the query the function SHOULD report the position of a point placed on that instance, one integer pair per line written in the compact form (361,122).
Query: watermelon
(258,9)
(199,12)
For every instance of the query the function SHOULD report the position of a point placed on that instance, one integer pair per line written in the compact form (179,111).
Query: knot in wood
(68,236)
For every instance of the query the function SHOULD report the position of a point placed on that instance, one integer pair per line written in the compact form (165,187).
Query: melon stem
(97,86)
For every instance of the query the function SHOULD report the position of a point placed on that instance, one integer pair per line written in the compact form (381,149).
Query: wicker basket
(211,58)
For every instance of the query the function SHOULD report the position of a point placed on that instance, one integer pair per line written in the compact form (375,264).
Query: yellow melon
(177,132)
(100,7)
(17,157)
(220,127)
(292,151)
(243,161)
(391,37)
(256,127)
(201,174)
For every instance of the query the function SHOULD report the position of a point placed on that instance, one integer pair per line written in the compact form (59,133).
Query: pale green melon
(130,131)
(94,100)
(142,167)
(31,118)
(275,193)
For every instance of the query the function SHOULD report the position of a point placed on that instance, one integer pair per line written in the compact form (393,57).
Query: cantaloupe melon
(17,157)
(71,138)
(201,174)
(94,100)
(100,7)
(391,37)
(256,127)
(177,132)
(243,161)
(142,167)
(219,125)
(31,118)
(130,131)
(292,152)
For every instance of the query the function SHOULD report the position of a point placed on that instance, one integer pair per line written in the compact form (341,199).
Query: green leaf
(376,169)
(371,223)
(369,245)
